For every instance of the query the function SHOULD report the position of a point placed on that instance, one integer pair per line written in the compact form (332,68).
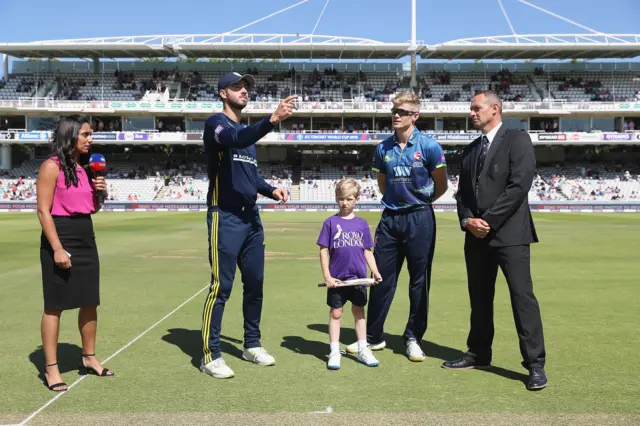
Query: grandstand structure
(148,116)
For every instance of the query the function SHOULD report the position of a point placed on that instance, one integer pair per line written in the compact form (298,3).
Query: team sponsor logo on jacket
(245,159)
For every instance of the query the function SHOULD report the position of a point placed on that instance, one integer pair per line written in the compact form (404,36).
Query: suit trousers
(482,262)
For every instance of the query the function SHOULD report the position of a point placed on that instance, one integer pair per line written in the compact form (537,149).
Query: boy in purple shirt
(345,251)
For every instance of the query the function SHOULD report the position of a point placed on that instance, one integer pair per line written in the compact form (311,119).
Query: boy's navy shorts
(338,297)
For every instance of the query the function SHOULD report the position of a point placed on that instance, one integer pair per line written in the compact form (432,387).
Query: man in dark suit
(496,174)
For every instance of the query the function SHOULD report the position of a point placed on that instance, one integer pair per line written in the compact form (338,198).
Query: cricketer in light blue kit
(411,175)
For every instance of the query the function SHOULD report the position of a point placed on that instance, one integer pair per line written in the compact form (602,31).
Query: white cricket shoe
(366,357)
(354,349)
(259,356)
(217,368)
(414,352)
(334,360)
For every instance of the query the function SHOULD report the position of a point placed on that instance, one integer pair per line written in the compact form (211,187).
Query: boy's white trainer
(366,357)
(354,349)
(217,368)
(334,360)
(414,352)
(259,356)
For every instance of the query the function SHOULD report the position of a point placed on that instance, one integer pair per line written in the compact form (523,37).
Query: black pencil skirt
(78,286)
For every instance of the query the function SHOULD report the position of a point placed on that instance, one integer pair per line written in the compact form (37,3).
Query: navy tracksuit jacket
(236,236)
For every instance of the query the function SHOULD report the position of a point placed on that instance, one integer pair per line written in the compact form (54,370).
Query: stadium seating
(550,184)
(19,87)
(17,189)
(318,183)
(28,169)
(318,86)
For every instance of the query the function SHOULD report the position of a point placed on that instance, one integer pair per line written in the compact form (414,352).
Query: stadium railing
(306,137)
(334,106)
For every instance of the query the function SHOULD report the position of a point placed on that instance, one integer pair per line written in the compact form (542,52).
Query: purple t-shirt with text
(346,239)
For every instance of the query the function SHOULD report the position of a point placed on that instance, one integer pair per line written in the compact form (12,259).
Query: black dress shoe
(537,379)
(465,363)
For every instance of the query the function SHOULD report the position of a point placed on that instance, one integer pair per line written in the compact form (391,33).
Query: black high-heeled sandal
(55,385)
(83,370)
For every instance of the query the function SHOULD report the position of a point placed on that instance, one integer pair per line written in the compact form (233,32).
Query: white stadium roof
(296,46)
(538,46)
(283,46)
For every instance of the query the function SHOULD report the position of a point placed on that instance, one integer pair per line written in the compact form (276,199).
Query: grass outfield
(585,274)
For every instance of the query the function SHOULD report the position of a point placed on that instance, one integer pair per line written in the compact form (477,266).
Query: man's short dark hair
(492,97)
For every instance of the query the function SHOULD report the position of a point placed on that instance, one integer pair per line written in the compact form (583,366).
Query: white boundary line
(52,400)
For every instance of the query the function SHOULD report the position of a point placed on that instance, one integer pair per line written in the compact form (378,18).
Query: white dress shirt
(492,134)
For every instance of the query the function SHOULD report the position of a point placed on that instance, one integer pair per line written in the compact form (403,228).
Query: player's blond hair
(406,98)
(347,187)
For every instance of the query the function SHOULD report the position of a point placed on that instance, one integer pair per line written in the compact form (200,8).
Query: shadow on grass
(397,344)
(69,358)
(190,342)
(302,346)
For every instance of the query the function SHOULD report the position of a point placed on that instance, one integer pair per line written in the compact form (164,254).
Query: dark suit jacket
(503,188)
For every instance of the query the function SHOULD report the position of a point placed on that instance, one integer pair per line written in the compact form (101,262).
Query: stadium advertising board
(454,136)
(149,137)
(467,137)
(104,136)
(585,137)
(339,106)
(618,136)
(168,206)
(552,137)
(133,136)
(633,106)
(299,206)
(328,137)
(167,106)
(34,136)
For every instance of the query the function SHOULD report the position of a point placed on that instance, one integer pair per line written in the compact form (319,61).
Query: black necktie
(484,147)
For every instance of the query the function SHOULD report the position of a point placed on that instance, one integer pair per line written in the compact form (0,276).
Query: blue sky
(383,20)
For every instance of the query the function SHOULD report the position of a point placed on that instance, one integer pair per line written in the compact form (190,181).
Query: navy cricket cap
(234,77)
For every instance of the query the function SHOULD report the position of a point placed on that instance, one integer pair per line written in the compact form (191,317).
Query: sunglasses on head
(401,112)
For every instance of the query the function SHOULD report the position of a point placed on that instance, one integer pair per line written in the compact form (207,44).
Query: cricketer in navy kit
(236,236)
(411,175)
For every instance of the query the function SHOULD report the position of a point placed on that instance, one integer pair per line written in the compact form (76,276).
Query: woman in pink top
(67,197)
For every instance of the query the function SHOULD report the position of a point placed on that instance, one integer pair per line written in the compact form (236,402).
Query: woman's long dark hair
(63,144)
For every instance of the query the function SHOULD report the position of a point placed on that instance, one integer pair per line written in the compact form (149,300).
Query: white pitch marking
(52,400)
(327,410)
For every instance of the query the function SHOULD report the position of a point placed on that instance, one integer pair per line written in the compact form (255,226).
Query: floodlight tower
(414,48)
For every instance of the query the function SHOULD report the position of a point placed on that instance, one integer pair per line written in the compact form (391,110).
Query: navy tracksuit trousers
(235,238)
(400,235)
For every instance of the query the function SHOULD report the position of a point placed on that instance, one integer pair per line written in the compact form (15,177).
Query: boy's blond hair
(347,187)
(406,98)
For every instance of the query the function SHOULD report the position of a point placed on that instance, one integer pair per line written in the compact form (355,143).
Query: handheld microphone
(98,164)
